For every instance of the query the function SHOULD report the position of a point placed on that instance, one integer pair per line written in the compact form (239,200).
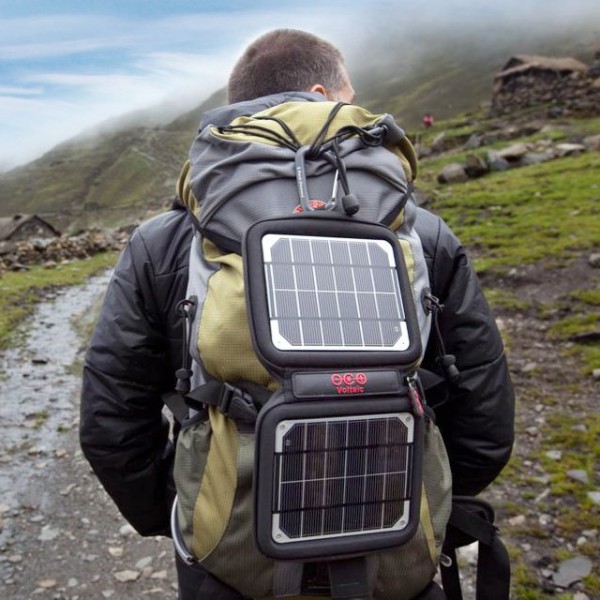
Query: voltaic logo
(349,383)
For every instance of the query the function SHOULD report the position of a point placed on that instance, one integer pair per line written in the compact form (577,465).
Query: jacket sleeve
(476,415)
(123,432)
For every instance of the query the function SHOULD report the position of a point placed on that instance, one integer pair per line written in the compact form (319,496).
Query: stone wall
(19,255)
(555,94)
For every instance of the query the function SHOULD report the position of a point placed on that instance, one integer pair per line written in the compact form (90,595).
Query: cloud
(89,68)
(64,72)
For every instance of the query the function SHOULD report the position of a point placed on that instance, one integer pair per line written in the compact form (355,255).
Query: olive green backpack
(268,487)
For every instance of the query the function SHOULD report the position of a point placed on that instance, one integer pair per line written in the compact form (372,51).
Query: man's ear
(320,88)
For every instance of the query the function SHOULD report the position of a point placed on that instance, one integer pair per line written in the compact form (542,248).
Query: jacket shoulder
(435,235)
(164,240)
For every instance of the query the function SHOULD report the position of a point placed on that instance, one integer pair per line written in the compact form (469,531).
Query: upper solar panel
(333,294)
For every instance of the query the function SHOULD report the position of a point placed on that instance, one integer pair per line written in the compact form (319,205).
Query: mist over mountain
(126,168)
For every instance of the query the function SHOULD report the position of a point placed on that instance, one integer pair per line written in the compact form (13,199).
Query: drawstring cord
(187,310)
(446,361)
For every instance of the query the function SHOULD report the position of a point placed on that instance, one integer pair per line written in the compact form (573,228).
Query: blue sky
(67,65)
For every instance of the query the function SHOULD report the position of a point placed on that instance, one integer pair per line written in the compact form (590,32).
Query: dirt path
(60,534)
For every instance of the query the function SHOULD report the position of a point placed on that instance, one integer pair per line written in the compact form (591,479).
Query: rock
(475,166)
(578,475)
(496,162)
(126,530)
(159,575)
(126,576)
(571,571)
(47,583)
(15,558)
(143,563)
(594,260)
(554,454)
(473,142)
(518,520)
(67,490)
(570,149)
(515,152)
(535,158)
(439,142)
(594,497)
(48,533)
(452,173)
(592,143)
(596,374)
(116,551)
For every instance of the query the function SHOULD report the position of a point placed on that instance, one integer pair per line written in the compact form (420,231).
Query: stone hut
(25,227)
(560,86)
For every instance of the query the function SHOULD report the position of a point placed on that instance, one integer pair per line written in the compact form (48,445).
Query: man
(136,347)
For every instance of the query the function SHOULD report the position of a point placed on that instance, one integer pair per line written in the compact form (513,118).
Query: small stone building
(25,227)
(560,86)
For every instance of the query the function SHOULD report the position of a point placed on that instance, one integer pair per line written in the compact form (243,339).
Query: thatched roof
(526,62)
(10,225)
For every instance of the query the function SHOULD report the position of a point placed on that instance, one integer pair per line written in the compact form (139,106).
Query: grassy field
(19,291)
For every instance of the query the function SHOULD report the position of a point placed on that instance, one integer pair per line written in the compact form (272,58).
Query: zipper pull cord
(187,310)
(414,396)
(446,361)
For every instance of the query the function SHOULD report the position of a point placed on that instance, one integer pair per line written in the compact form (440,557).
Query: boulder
(534,158)
(496,162)
(515,152)
(570,149)
(592,143)
(475,166)
(453,173)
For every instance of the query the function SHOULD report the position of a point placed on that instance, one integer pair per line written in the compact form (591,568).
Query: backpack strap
(176,404)
(472,520)
(240,403)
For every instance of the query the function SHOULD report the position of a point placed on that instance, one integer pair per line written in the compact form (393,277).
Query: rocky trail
(61,537)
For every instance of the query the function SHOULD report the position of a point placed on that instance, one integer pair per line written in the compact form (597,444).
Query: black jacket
(137,347)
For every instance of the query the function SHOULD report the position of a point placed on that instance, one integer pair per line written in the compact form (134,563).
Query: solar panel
(341,476)
(333,293)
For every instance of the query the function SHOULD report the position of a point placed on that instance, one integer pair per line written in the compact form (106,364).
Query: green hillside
(113,178)
(127,172)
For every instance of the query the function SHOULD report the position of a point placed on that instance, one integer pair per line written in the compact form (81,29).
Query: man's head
(287,60)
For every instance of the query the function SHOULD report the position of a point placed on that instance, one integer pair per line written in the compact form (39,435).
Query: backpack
(278,466)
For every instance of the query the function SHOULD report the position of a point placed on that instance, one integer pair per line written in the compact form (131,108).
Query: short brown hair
(286,60)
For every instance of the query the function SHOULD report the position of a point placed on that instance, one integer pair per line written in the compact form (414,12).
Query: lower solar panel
(340,476)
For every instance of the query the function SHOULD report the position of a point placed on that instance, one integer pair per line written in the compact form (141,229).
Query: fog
(382,41)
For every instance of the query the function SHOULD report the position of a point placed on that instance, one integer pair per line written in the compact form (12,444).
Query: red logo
(349,383)
(314,204)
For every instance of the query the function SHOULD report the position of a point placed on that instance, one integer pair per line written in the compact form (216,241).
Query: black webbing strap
(472,520)
(176,404)
(240,403)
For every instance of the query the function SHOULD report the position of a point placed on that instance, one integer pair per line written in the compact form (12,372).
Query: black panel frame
(278,410)
(324,224)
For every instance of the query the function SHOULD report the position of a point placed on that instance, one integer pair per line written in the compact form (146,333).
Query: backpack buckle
(237,404)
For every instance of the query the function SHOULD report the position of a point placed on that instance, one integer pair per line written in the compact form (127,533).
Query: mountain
(127,169)
(117,174)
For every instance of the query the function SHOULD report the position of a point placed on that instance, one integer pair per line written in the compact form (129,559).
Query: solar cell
(333,294)
(341,476)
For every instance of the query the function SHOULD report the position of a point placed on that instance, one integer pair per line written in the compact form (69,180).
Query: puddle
(39,389)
